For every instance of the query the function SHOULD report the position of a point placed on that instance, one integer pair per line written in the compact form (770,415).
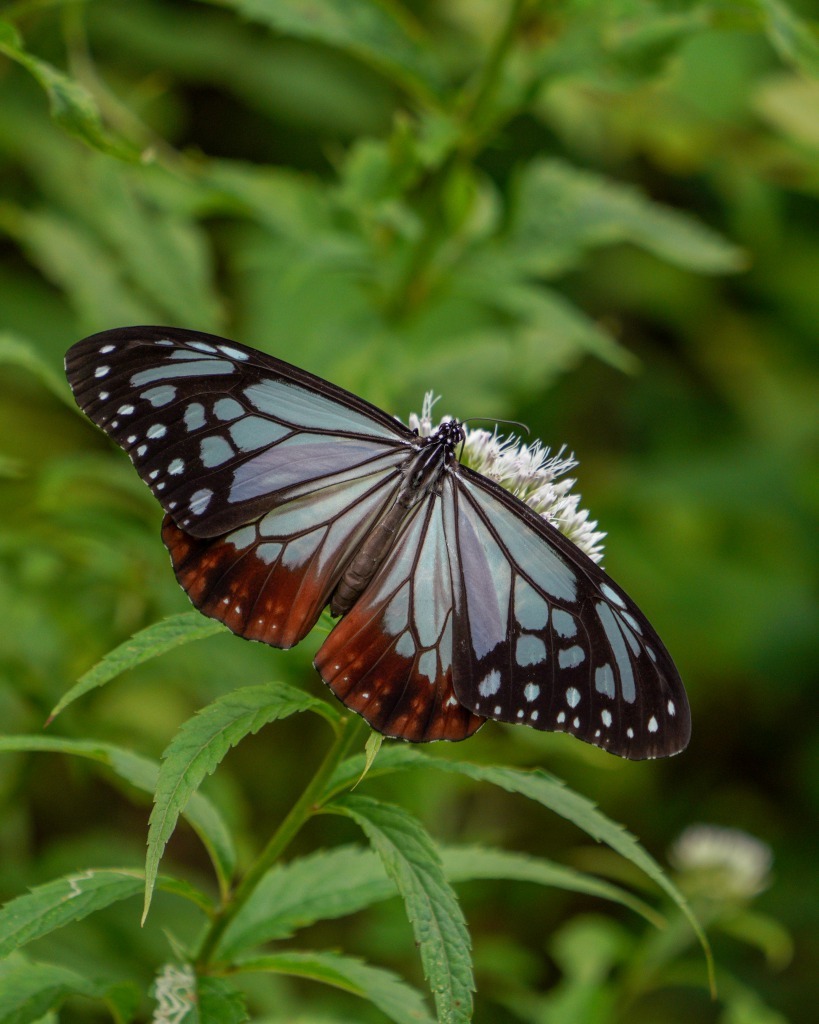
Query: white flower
(175,993)
(727,861)
(530,472)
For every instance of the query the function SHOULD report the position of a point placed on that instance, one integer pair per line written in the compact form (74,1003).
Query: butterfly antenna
(488,419)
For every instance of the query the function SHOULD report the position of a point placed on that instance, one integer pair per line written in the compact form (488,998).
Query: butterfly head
(447,437)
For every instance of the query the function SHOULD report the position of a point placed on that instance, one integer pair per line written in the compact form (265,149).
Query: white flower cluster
(738,863)
(175,994)
(530,472)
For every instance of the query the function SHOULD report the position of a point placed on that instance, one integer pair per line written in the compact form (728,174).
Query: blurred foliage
(596,217)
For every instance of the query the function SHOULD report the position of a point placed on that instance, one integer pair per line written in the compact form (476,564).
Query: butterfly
(284,494)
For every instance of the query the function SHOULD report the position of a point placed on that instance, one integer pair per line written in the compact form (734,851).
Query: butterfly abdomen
(421,475)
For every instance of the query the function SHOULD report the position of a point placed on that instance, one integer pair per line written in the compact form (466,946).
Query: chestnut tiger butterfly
(284,494)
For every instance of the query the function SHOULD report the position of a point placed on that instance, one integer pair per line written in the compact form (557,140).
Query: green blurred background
(597,217)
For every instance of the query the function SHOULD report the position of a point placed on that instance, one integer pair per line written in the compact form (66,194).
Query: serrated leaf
(29,990)
(555,331)
(72,107)
(71,256)
(562,211)
(55,904)
(16,351)
(201,744)
(148,643)
(219,1002)
(411,859)
(544,789)
(373,745)
(335,883)
(325,885)
(377,32)
(463,864)
(142,773)
(164,255)
(394,997)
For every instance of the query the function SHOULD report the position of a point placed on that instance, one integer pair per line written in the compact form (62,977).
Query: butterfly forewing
(222,433)
(554,643)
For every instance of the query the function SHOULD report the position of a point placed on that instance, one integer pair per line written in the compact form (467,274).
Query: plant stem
(304,808)
(474,110)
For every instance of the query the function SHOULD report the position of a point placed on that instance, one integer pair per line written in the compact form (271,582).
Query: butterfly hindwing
(270,579)
(553,642)
(222,433)
(390,657)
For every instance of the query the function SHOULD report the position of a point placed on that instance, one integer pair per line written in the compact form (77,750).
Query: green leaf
(377,32)
(555,332)
(561,211)
(373,745)
(219,1002)
(335,883)
(60,902)
(29,990)
(142,773)
(794,39)
(143,646)
(472,862)
(165,255)
(544,789)
(395,998)
(73,108)
(201,744)
(70,255)
(325,885)
(15,351)
(411,859)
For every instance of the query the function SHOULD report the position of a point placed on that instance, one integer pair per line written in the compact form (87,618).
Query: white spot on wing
(564,624)
(106,349)
(672,709)
(612,595)
(200,500)
(531,691)
(571,657)
(605,717)
(155,431)
(176,467)
(572,697)
(490,685)
(652,724)
(101,371)
(234,353)
(604,680)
